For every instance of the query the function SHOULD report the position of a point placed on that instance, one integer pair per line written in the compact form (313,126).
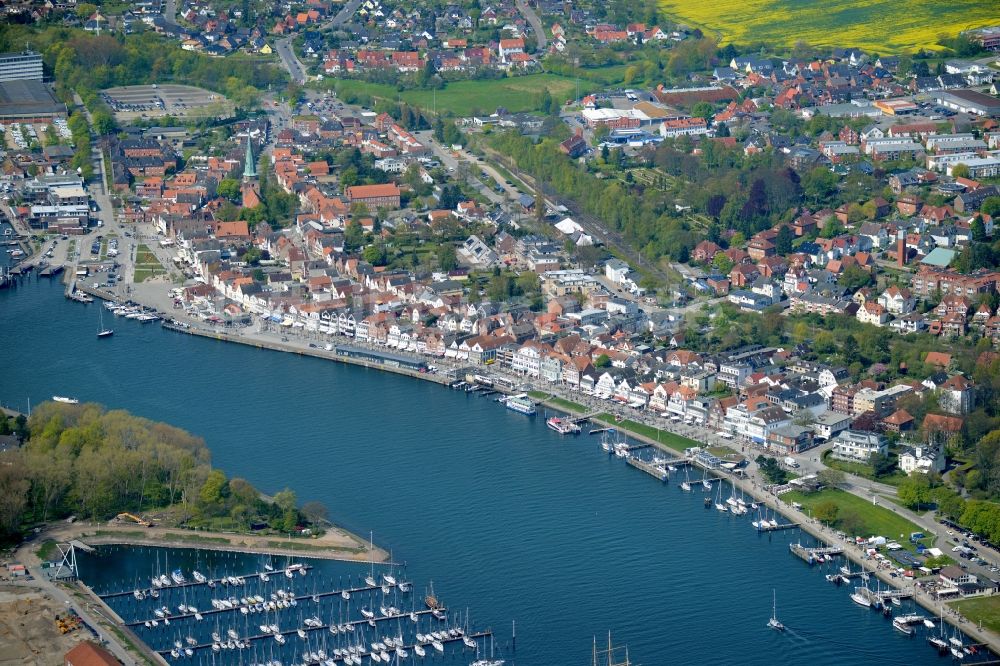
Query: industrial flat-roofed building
(23,66)
(969,101)
(28,101)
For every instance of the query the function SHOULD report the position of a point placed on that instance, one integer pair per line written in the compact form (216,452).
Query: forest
(93,463)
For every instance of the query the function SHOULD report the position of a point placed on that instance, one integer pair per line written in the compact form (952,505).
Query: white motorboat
(899,625)
(860,599)
(64,399)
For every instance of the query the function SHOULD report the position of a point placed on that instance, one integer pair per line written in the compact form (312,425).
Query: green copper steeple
(249,167)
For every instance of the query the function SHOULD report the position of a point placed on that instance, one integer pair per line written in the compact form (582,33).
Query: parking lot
(153,101)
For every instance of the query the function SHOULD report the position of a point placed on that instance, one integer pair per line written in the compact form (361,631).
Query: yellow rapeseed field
(881,26)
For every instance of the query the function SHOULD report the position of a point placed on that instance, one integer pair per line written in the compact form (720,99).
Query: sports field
(879,26)
(463,98)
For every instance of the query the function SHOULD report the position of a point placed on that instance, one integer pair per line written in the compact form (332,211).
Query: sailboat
(609,654)
(719,506)
(938,642)
(486,662)
(101,331)
(705,483)
(686,483)
(774,622)
(370,578)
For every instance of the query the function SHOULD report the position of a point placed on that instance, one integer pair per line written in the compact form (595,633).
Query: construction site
(35,628)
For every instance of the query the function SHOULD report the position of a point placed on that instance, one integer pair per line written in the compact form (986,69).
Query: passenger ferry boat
(563,426)
(520,403)
(68,401)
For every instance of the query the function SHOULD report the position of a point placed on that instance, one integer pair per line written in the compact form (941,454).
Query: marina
(295,611)
(486,463)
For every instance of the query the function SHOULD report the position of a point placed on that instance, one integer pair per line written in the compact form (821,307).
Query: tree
(832,478)
(914,491)
(990,206)
(285,500)
(977,227)
(703,110)
(375,255)
(602,361)
(960,170)
(783,241)
(771,470)
(882,465)
(826,511)
(211,491)
(228,188)
(855,277)
(447,259)
(104,122)
(315,512)
(850,349)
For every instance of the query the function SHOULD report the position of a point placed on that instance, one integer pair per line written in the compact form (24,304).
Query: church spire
(249,167)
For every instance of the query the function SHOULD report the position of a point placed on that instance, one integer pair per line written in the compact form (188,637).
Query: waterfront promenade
(751,484)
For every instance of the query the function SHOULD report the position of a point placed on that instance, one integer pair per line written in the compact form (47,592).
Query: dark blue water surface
(503,515)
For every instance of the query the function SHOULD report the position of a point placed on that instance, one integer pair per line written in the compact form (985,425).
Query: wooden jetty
(776,528)
(194,583)
(216,611)
(309,630)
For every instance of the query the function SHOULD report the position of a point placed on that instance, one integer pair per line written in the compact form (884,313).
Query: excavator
(135,519)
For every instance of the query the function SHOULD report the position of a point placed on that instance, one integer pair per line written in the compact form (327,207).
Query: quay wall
(820,532)
(816,530)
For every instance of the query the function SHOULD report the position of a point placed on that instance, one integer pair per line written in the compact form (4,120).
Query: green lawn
(465,98)
(146,264)
(857,516)
(47,550)
(558,402)
(862,470)
(985,610)
(668,439)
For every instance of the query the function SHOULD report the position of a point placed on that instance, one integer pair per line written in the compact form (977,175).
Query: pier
(364,647)
(777,528)
(304,597)
(814,555)
(276,573)
(657,472)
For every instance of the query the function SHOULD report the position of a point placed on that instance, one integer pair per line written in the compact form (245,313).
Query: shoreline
(810,527)
(334,545)
(816,530)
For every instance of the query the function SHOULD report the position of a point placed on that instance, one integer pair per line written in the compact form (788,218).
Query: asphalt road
(536,24)
(284,46)
(170,12)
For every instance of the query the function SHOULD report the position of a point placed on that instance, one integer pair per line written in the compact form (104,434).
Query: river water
(505,517)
